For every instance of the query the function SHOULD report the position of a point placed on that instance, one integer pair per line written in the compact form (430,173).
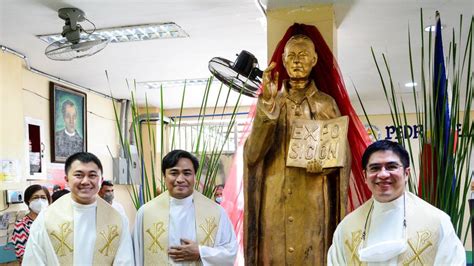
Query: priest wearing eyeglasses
(395,226)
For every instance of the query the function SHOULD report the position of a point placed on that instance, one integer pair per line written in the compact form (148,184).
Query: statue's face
(299,58)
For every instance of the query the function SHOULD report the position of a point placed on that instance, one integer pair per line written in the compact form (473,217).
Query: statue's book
(322,140)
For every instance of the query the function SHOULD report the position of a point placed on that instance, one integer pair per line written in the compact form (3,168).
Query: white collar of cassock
(83,206)
(181,202)
(70,134)
(387,240)
(381,207)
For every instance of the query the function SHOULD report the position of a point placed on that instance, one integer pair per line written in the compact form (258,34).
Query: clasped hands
(187,251)
(314,166)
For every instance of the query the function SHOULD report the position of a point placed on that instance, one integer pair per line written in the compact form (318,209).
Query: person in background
(218,193)
(56,188)
(394,227)
(37,198)
(56,195)
(106,192)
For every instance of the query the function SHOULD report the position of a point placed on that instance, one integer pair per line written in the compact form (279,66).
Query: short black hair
(56,195)
(172,158)
(84,157)
(29,191)
(106,183)
(386,145)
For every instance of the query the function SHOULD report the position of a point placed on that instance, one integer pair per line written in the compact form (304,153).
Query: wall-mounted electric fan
(242,75)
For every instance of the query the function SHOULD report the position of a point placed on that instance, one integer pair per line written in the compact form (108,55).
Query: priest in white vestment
(182,226)
(80,228)
(394,227)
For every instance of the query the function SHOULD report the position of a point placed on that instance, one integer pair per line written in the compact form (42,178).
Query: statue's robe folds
(290,214)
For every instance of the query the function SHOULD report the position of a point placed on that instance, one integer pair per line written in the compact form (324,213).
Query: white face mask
(38,205)
(109,197)
(218,200)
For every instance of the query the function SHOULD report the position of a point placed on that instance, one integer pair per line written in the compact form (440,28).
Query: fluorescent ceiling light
(179,83)
(127,33)
(410,84)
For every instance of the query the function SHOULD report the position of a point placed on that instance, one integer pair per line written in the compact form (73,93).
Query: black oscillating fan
(242,75)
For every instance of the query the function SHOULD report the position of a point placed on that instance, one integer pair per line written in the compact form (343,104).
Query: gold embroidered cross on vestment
(208,229)
(422,244)
(64,232)
(155,235)
(109,238)
(354,246)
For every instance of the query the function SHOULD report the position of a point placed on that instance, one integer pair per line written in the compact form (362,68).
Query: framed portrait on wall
(68,122)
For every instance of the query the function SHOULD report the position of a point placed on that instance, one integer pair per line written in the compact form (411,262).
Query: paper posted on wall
(321,140)
(10,170)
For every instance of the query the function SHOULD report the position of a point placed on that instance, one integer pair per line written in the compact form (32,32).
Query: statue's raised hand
(269,84)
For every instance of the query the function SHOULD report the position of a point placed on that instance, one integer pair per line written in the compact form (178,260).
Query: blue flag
(440,94)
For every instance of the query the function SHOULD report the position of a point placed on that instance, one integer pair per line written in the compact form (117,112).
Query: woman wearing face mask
(218,193)
(37,198)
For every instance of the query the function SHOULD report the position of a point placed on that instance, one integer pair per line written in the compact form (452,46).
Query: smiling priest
(395,227)
(80,228)
(182,226)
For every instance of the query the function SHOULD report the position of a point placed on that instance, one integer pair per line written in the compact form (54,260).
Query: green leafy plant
(443,174)
(207,149)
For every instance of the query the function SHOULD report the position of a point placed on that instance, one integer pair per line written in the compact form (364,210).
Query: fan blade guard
(66,51)
(222,69)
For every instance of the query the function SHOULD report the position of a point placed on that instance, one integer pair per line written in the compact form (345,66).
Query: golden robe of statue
(290,212)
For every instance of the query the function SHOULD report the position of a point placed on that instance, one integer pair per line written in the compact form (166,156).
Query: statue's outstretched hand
(269,85)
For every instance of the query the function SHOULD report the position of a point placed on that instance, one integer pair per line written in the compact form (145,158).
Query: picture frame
(68,122)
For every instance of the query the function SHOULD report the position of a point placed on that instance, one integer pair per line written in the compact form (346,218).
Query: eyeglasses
(377,168)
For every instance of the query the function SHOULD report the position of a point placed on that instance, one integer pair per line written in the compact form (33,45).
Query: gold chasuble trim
(155,230)
(156,226)
(59,223)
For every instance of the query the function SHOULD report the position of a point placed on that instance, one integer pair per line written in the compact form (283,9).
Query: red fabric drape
(233,194)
